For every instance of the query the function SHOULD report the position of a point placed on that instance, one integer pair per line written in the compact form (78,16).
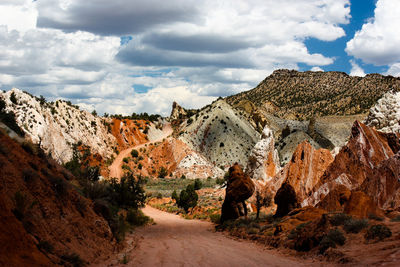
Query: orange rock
(361,205)
(239,188)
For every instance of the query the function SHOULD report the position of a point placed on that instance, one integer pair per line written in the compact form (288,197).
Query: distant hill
(290,94)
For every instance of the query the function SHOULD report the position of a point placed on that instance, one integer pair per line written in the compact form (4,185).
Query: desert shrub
(162,172)
(136,217)
(134,153)
(45,246)
(396,219)
(140,166)
(118,227)
(262,200)
(355,225)
(197,184)
(126,160)
(74,259)
(183,176)
(220,181)
(188,198)
(331,239)
(339,219)
(378,231)
(215,218)
(159,196)
(175,196)
(13,98)
(128,193)
(375,217)
(252,231)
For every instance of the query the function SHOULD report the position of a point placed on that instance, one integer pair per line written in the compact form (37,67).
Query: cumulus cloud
(316,68)
(183,50)
(356,70)
(394,70)
(378,41)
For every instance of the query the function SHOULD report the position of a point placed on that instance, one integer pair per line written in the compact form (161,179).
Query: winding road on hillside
(116,167)
(174,241)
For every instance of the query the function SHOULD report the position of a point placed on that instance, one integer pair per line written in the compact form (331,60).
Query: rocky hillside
(221,134)
(57,126)
(43,219)
(291,94)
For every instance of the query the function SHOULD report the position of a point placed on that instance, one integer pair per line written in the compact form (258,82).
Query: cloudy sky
(125,56)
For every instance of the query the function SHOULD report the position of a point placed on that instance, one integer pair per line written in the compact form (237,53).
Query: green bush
(339,219)
(355,225)
(378,231)
(215,218)
(13,98)
(333,238)
(188,198)
(126,160)
(375,217)
(162,173)
(134,153)
(175,196)
(197,184)
(136,217)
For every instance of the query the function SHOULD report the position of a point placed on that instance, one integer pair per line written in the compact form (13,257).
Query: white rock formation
(385,115)
(263,161)
(57,126)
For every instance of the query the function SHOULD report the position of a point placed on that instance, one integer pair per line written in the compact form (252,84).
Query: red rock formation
(356,161)
(239,188)
(383,186)
(286,200)
(305,169)
(129,132)
(37,204)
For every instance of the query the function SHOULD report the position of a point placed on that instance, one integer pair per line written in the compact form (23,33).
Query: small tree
(188,198)
(262,201)
(197,184)
(13,98)
(134,153)
(162,172)
(175,196)
(94,112)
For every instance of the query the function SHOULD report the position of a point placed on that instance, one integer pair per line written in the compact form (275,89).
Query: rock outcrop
(304,170)
(263,163)
(177,112)
(221,134)
(57,126)
(239,188)
(356,161)
(383,186)
(385,114)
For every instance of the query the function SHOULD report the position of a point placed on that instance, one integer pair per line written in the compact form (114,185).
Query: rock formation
(221,134)
(385,114)
(263,163)
(356,161)
(304,170)
(177,112)
(239,188)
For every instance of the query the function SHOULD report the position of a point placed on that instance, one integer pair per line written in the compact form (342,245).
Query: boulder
(177,112)
(239,188)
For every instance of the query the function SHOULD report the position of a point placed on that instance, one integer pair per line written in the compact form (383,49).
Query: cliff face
(57,126)
(307,94)
(42,217)
(356,161)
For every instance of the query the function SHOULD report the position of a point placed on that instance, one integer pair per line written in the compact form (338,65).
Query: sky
(125,56)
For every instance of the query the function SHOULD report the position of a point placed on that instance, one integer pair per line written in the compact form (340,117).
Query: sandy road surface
(116,167)
(174,241)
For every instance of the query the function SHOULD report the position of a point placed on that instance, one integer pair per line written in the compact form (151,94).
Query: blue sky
(125,56)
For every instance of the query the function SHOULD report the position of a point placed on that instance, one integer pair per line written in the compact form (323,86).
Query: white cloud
(378,41)
(394,70)
(356,70)
(316,68)
(183,50)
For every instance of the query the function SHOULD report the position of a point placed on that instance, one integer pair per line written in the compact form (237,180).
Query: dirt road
(174,241)
(116,167)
